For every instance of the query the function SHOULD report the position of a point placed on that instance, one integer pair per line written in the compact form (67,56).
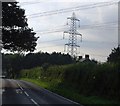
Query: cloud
(96,40)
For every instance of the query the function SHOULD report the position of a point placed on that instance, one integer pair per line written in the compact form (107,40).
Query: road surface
(22,92)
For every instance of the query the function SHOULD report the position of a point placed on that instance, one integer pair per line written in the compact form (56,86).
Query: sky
(98,25)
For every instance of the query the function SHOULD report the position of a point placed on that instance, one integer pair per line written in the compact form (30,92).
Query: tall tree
(17,36)
(114,55)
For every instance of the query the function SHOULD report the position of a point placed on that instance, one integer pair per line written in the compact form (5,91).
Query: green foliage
(37,82)
(16,35)
(115,55)
(13,63)
(34,73)
(72,94)
(88,79)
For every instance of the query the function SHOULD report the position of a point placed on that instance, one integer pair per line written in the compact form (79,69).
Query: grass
(71,93)
(37,82)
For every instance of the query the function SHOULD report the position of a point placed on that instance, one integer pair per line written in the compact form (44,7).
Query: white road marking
(3,90)
(34,102)
(20,86)
(26,93)
(19,91)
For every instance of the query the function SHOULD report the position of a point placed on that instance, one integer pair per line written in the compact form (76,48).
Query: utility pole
(72,42)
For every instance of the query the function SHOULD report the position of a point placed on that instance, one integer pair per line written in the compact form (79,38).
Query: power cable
(83,7)
(30,2)
(56,40)
(51,41)
(96,25)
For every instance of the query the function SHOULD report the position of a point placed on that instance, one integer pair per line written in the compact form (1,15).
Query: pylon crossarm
(66,31)
(77,33)
(73,18)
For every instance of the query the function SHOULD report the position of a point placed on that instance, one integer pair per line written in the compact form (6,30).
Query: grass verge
(70,93)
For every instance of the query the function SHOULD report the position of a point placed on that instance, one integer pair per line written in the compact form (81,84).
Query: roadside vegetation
(85,82)
(14,63)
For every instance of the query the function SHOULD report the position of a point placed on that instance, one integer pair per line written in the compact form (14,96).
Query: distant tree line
(114,55)
(13,63)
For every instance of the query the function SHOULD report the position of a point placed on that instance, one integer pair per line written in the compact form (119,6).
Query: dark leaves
(17,36)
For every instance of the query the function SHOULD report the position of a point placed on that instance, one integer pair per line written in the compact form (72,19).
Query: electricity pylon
(72,42)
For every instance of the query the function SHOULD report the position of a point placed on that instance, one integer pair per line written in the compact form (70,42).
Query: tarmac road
(20,92)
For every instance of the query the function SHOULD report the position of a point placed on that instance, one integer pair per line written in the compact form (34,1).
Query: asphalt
(18,92)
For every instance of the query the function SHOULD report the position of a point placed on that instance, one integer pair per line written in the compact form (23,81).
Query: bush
(86,78)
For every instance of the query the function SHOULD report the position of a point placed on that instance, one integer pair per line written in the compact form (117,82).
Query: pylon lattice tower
(72,43)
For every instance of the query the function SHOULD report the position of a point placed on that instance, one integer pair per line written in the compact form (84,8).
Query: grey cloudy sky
(98,25)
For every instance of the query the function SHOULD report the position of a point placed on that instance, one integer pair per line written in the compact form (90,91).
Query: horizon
(98,25)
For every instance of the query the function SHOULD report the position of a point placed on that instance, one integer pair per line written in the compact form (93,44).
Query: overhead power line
(53,28)
(105,25)
(51,46)
(30,2)
(57,40)
(91,28)
(65,10)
